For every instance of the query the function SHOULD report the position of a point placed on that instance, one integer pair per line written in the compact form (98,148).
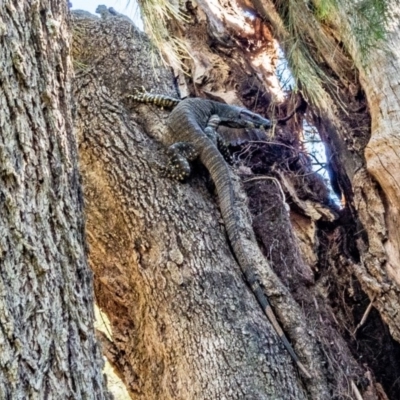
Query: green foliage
(311,41)
(298,20)
(160,17)
(308,75)
(324,9)
(368,24)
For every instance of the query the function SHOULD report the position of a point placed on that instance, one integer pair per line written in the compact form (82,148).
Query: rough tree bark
(359,126)
(184,323)
(47,343)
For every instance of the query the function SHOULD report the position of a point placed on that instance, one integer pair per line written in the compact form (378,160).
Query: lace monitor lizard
(193,123)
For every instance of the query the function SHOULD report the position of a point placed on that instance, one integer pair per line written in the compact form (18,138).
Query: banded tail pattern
(158,99)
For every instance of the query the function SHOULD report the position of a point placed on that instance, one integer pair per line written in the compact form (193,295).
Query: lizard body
(169,102)
(192,124)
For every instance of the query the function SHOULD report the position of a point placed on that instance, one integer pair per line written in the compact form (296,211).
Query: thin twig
(272,179)
(364,317)
(270,142)
(356,391)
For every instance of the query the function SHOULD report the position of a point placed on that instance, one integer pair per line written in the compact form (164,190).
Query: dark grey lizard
(170,102)
(192,124)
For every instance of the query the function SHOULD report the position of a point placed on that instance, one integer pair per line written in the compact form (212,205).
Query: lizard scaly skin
(191,124)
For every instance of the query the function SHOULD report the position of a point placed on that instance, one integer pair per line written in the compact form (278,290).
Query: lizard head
(252,120)
(243,118)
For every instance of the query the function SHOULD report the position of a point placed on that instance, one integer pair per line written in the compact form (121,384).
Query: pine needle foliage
(307,41)
(303,31)
(324,9)
(368,25)
(309,27)
(159,16)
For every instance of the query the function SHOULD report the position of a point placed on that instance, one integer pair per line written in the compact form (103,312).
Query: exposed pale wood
(377,184)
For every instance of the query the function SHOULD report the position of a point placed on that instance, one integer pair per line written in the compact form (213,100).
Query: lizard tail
(266,306)
(258,291)
(219,171)
(158,99)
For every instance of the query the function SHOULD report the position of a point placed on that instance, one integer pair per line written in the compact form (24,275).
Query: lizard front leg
(215,137)
(179,155)
(223,148)
(211,128)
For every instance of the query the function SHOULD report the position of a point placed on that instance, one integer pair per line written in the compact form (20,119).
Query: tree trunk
(362,138)
(379,211)
(48,347)
(185,324)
